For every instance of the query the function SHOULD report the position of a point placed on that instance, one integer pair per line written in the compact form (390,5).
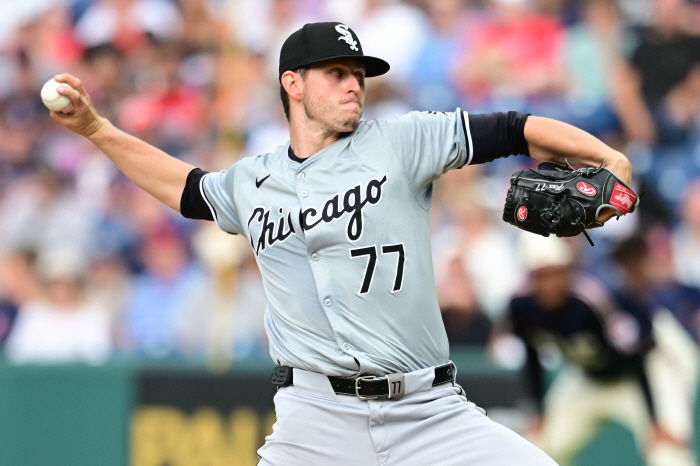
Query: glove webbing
(555,212)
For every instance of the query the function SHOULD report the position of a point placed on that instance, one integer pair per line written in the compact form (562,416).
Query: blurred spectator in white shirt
(60,326)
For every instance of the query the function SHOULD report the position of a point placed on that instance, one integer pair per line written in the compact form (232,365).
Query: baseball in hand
(53,100)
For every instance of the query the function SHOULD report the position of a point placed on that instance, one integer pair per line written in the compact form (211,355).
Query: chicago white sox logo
(586,188)
(522,213)
(346,36)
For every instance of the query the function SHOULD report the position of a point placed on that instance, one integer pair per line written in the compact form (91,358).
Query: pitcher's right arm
(151,169)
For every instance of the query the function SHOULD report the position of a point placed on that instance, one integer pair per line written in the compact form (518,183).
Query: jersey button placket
(327,302)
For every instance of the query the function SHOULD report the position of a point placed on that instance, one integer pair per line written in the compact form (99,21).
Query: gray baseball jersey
(342,242)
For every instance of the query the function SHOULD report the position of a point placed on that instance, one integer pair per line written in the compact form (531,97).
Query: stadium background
(133,336)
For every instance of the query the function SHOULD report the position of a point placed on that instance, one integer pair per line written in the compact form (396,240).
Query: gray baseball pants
(429,426)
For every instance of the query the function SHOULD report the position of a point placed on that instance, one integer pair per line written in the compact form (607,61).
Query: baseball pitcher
(338,220)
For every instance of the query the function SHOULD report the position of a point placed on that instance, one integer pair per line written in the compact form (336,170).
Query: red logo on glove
(586,188)
(522,213)
(623,198)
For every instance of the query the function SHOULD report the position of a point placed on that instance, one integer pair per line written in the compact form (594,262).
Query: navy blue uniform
(606,335)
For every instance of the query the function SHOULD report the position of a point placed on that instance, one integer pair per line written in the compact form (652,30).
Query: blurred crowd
(92,268)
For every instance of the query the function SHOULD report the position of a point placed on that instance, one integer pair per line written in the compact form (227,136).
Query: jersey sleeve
(217,190)
(429,144)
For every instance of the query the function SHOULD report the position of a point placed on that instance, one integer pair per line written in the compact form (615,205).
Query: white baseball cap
(538,252)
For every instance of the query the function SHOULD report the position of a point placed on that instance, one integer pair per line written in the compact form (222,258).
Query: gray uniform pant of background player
(429,426)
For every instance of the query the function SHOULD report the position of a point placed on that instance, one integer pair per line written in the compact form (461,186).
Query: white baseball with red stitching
(53,100)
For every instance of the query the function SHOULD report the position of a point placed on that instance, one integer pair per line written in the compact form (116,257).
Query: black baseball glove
(565,201)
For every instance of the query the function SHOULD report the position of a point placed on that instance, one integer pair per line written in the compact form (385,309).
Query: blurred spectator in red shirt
(516,52)
(167,111)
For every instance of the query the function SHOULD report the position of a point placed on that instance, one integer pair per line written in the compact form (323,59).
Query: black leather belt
(366,387)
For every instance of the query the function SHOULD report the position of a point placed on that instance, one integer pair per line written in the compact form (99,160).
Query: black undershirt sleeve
(496,135)
(192,203)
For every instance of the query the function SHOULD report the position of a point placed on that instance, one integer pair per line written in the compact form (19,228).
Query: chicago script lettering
(268,236)
(274,231)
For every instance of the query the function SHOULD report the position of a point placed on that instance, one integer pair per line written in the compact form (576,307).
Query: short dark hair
(303,71)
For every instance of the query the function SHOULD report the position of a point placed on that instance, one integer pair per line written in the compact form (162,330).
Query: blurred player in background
(606,340)
(645,275)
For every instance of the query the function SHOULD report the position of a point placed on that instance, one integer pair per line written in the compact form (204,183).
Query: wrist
(95,131)
(620,165)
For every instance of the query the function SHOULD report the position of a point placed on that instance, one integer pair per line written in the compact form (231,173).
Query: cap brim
(374,66)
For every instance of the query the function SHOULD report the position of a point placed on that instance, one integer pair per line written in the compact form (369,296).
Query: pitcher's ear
(291,81)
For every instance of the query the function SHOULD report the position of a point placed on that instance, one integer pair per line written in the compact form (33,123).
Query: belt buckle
(357,387)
